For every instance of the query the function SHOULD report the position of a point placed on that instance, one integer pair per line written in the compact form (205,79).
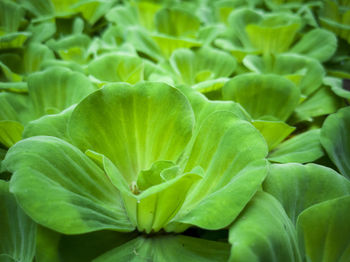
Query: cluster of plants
(174,131)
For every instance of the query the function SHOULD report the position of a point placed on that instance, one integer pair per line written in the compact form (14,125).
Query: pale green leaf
(274,34)
(10,132)
(201,65)
(117,68)
(61,188)
(318,43)
(57,88)
(308,69)
(146,122)
(263,95)
(274,132)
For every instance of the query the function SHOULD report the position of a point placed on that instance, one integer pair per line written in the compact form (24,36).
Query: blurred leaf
(176,22)
(263,95)
(17,230)
(117,68)
(335,139)
(10,132)
(57,88)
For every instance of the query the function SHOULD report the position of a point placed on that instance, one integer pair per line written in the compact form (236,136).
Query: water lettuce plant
(174,131)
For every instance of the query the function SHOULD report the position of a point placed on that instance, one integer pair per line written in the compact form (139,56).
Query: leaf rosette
(141,156)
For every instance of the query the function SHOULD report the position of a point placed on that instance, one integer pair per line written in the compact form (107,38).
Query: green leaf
(114,67)
(168,248)
(335,139)
(146,13)
(155,175)
(183,63)
(15,106)
(39,8)
(298,186)
(274,34)
(47,242)
(319,43)
(156,206)
(10,132)
(143,43)
(176,22)
(17,230)
(61,188)
(222,158)
(215,150)
(72,47)
(274,132)
(238,20)
(203,107)
(42,31)
(264,232)
(263,95)
(13,40)
(168,44)
(61,63)
(14,87)
(92,10)
(336,85)
(11,16)
(147,122)
(35,54)
(302,148)
(311,106)
(8,75)
(3,152)
(50,125)
(308,69)
(210,87)
(57,88)
(228,201)
(325,231)
(204,64)
(124,16)
(152,208)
